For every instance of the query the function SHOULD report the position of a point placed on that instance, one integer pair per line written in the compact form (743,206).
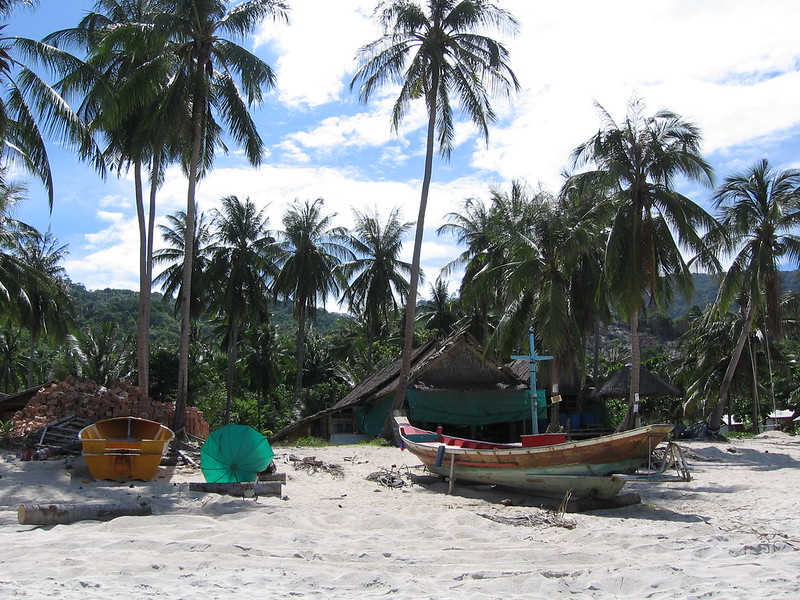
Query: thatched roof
(568,384)
(618,385)
(455,363)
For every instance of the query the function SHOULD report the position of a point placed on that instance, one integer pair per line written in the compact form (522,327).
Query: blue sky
(728,66)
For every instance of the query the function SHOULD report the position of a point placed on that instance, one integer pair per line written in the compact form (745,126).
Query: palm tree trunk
(233,340)
(179,419)
(411,301)
(301,351)
(143,328)
(756,399)
(715,421)
(629,422)
(596,352)
(31,355)
(146,291)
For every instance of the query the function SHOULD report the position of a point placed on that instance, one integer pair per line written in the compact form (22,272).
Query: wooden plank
(264,488)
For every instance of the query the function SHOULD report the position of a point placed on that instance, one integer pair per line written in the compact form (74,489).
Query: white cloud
(728,65)
(316,52)
(110,257)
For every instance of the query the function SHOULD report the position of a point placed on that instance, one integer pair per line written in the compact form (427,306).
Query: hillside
(706,286)
(121,306)
(95,307)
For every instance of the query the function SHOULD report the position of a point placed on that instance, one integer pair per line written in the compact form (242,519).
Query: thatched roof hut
(454,366)
(618,385)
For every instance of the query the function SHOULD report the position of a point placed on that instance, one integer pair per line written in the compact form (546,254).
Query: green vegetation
(5,432)
(237,329)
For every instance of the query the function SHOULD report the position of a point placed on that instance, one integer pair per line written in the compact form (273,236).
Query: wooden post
(452,473)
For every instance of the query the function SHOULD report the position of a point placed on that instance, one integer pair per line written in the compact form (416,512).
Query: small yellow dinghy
(124,448)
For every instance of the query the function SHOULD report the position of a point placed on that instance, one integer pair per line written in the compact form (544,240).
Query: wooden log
(54,514)
(248,488)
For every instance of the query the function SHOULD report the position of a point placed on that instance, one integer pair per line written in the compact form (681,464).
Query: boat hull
(124,448)
(586,468)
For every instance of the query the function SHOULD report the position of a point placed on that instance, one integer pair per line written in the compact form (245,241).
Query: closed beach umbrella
(234,454)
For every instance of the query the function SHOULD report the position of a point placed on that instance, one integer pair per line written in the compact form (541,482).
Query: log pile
(92,402)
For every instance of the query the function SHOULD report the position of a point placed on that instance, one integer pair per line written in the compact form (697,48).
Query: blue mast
(533,358)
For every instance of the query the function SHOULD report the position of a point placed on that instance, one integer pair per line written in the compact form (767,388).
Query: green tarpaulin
(453,408)
(371,418)
(473,407)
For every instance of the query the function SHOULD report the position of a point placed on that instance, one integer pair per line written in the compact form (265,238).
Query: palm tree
(312,251)
(12,358)
(172,257)
(131,66)
(377,276)
(486,232)
(102,353)
(240,268)
(206,81)
(30,108)
(47,309)
(440,311)
(760,210)
(13,234)
(636,163)
(435,55)
(264,358)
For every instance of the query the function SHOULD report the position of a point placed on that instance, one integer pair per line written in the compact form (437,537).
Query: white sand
(733,532)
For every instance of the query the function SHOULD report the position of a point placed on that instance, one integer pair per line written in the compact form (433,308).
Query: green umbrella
(234,453)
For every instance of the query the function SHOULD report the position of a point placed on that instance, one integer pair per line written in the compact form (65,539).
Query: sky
(730,66)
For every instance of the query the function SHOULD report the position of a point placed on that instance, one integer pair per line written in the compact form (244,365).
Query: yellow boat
(124,448)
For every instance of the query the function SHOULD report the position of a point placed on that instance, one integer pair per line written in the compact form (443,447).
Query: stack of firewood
(92,402)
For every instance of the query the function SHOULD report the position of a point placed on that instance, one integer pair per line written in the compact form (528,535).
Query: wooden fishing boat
(124,448)
(543,465)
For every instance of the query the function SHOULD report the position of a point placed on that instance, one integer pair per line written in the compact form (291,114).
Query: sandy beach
(732,532)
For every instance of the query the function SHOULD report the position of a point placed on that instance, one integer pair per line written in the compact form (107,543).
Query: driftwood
(245,488)
(311,465)
(542,518)
(54,514)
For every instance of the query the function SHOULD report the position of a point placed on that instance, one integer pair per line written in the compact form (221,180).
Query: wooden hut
(618,385)
(451,384)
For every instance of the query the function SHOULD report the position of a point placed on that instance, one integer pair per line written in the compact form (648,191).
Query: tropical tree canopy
(378,279)
(760,211)
(311,250)
(636,164)
(31,108)
(436,53)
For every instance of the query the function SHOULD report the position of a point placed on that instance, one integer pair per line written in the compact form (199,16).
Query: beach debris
(63,434)
(57,403)
(538,518)
(56,514)
(390,478)
(311,465)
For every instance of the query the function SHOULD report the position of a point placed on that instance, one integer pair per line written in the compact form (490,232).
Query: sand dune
(733,532)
